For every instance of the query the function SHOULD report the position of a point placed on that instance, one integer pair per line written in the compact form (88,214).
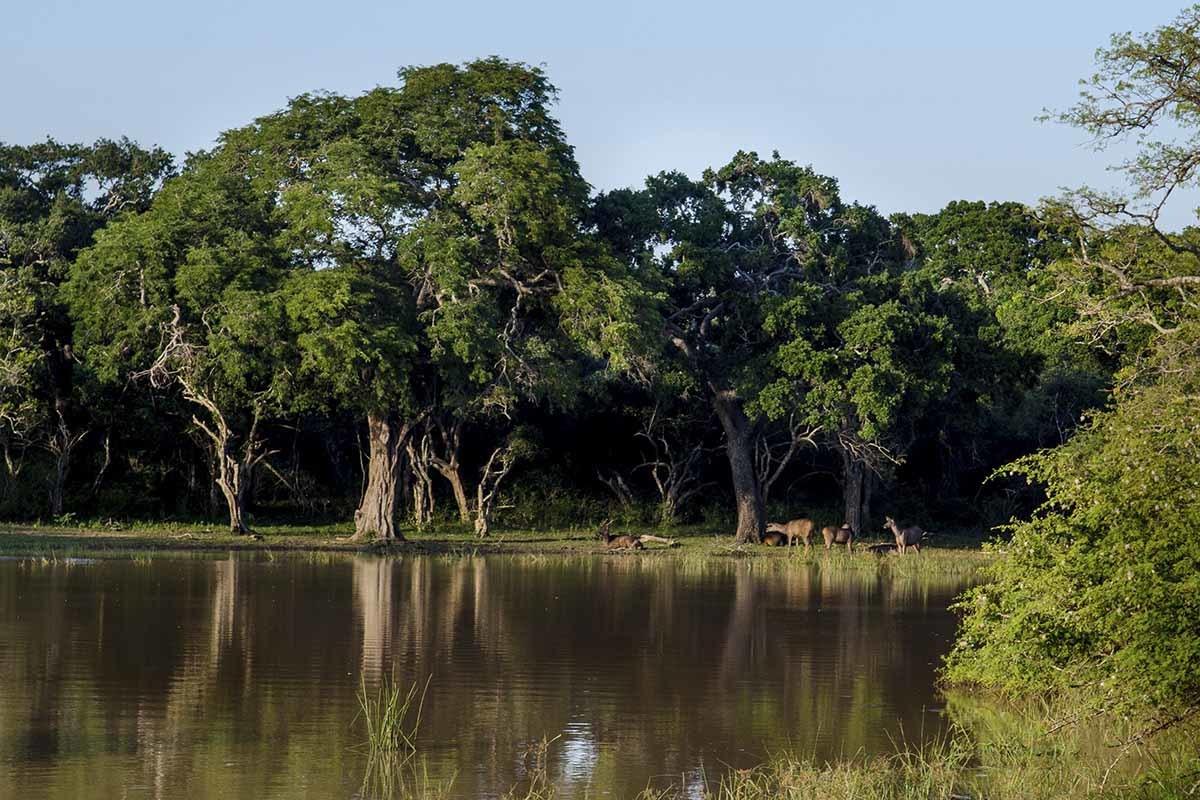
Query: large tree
(781,301)
(455,202)
(344,186)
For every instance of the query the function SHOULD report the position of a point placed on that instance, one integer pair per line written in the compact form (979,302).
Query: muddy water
(238,677)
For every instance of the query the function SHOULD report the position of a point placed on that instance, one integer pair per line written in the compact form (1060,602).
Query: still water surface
(237,677)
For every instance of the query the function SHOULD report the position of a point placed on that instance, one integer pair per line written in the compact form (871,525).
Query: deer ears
(605,525)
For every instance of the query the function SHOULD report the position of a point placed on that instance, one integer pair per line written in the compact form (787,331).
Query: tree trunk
(375,517)
(854,480)
(58,480)
(460,492)
(61,445)
(483,503)
(739,447)
(869,481)
(494,472)
(448,466)
(422,481)
(231,480)
(214,493)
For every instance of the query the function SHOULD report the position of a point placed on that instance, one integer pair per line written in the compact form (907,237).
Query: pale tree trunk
(12,464)
(459,488)
(422,481)
(375,517)
(483,524)
(739,447)
(233,464)
(231,480)
(61,445)
(495,471)
(449,467)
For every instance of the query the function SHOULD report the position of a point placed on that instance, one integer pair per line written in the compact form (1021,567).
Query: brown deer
(912,536)
(615,542)
(801,529)
(838,535)
(774,539)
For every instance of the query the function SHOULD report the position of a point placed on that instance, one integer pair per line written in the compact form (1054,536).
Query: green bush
(1100,590)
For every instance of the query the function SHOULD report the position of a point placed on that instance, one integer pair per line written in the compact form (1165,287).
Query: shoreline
(34,541)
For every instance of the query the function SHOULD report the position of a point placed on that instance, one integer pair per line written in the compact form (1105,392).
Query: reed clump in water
(392,717)
(537,784)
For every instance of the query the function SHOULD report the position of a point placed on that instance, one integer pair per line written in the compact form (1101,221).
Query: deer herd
(791,533)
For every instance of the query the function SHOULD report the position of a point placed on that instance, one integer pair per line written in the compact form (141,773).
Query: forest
(408,309)
(410,304)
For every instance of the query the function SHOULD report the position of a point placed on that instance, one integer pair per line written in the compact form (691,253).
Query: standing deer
(912,536)
(614,542)
(835,535)
(801,529)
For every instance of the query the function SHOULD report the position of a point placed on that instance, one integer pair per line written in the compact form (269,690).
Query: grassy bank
(948,555)
(993,752)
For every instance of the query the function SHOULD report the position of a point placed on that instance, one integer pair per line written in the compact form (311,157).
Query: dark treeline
(411,303)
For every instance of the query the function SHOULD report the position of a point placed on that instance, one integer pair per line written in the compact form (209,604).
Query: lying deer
(622,542)
(835,535)
(801,529)
(912,536)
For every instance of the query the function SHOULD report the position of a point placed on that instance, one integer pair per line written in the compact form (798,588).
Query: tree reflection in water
(237,677)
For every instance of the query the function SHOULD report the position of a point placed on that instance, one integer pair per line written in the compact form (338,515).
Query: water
(237,677)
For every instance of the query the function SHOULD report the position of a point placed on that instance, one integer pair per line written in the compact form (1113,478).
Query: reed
(537,784)
(392,715)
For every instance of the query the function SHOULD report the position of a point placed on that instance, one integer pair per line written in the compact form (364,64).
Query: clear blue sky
(910,104)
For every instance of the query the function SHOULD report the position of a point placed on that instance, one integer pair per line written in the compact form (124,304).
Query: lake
(238,676)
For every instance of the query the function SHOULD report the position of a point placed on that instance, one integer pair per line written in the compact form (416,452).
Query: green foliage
(354,337)
(53,199)
(1100,590)
(1102,587)
(200,263)
(20,355)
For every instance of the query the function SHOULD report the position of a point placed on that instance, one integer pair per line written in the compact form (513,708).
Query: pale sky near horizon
(910,105)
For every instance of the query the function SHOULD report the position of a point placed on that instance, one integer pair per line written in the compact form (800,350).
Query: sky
(909,104)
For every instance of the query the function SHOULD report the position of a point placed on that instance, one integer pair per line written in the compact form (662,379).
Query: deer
(838,535)
(801,529)
(774,539)
(912,536)
(615,542)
